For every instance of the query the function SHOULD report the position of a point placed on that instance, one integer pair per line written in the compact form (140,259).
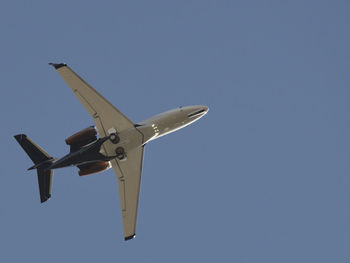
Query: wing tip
(45,198)
(129,237)
(19,137)
(59,65)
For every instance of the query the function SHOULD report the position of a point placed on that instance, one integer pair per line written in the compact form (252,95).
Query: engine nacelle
(92,168)
(82,137)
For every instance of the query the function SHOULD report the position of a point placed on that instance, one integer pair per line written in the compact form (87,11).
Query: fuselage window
(195,113)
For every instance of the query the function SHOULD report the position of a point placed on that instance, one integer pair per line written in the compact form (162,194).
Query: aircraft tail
(42,160)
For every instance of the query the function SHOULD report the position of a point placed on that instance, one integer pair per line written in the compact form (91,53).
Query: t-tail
(42,160)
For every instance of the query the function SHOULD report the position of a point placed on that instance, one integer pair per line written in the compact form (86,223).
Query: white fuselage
(170,121)
(156,127)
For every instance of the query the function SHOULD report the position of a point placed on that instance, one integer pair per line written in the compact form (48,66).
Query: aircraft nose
(197,111)
(206,108)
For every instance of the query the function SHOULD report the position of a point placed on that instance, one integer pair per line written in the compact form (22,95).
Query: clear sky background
(263,177)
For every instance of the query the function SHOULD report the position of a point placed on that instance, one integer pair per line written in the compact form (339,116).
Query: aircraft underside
(120,145)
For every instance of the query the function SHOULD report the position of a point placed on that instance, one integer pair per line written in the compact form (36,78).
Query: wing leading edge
(107,116)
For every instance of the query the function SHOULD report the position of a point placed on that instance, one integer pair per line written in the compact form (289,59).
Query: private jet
(113,142)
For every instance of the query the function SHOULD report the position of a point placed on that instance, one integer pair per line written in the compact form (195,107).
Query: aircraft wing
(107,116)
(129,175)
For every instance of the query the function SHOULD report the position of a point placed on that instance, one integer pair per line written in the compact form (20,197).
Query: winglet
(57,66)
(130,237)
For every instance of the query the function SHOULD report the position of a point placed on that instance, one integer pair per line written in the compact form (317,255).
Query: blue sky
(264,177)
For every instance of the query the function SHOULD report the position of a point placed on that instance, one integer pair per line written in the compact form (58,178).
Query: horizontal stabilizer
(35,152)
(45,183)
(42,160)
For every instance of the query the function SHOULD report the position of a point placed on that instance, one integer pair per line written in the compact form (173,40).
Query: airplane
(115,141)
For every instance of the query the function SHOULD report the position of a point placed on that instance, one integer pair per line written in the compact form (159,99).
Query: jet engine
(82,138)
(92,168)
